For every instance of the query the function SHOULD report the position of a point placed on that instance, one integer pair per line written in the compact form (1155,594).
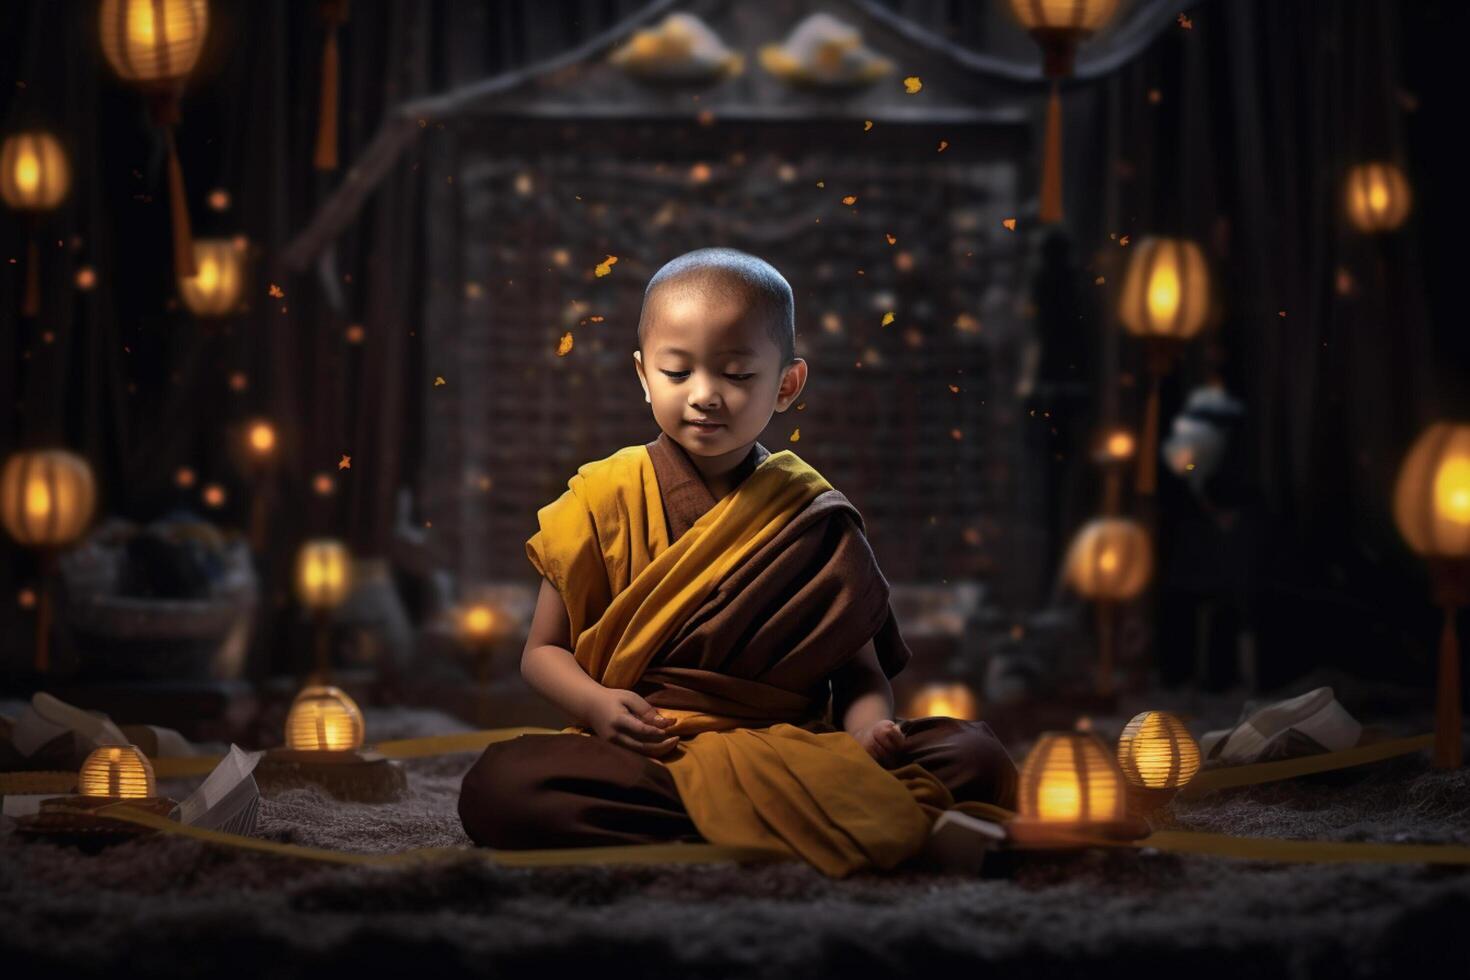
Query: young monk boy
(702,601)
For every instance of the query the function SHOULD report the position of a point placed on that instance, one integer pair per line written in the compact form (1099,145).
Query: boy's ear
(792,383)
(638,360)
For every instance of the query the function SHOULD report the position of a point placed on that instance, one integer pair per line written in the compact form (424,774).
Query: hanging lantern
(944,700)
(323,573)
(1109,561)
(1058,26)
(1431,505)
(219,278)
(1165,300)
(34,177)
(1110,558)
(324,719)
(334,15)
(117,772)
(1378,197)
(154,44)
(1158,757)
(46,497)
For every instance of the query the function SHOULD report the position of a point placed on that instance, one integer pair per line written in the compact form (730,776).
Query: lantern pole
(1452,591)
(43,611)
(31,305)
(1105,647)
(322,645)
(334,15)
(165,108)
(1160,355)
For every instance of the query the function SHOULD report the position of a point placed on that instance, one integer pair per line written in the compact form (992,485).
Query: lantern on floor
(47,498)
(944,700)
(1378,197)
(1158,756)
(1058,26)
(1070,787)
(1165,300)
(219,278)
(323,578)
(1431,505)
(34,177)
(154,44)
(1109,561)
(324,719)
(118,772)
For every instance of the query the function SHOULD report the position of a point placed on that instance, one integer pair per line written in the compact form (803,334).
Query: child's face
(708,358)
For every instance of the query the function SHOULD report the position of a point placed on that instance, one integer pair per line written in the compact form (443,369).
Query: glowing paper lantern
(1431,505)
(34,177)
(154,44)
(324,719)
(944,700)
(46,497)
(1378,197)
(1110,560)
(1058,26)
(323,573)
(1166,290)
(1156,751)
(119,772)
(1070,779)
(219,279)
(262,438)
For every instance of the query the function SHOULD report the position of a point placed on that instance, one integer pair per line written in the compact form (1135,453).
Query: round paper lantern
(1431,501)
(944,700)
(119,772)
(323,573)
(1156,751)
(46,497)
(153,43)
(1166,290)
(1378,197)
(219,280)
(1071,778)
(34,175)
(324,718)
(1110,559)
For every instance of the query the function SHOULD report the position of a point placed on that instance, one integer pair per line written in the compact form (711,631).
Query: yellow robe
(605,545)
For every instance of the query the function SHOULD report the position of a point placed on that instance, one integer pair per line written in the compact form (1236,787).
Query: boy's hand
(882,738)
(625,719)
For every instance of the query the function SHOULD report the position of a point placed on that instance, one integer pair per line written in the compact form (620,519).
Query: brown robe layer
(763,646)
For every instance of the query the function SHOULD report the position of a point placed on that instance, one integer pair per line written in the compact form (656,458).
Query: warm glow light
(184,477)
(1378,197)
(479,620)
(945,701)
(262,437)
(1166,289)
(324,718)
(323,573)
(143,46)
(322,484)
(1069,778)
(1110,558)
(219,280)
(34,175)
(1157,751)
(1452,489)
(120,772)
(1120,445)
(1431,501)
(1078,15)
(214,495)
(46,497)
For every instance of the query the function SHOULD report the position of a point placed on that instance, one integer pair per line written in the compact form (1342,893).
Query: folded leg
(565,790)
(965,756)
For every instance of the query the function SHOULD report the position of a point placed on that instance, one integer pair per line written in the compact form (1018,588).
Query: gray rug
(171,907)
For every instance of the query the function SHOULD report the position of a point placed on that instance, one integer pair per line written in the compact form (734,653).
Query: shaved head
(730,275)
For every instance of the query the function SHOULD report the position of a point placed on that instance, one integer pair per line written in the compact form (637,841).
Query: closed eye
(681,375)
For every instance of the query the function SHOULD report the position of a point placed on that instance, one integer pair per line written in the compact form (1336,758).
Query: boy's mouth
(704,426)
